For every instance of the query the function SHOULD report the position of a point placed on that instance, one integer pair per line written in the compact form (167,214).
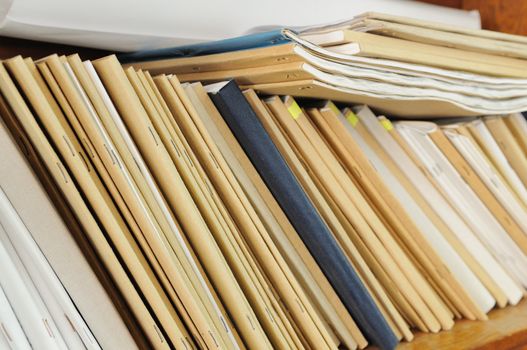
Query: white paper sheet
(129,25)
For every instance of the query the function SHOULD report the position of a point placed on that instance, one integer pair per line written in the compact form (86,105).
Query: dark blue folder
(266,158)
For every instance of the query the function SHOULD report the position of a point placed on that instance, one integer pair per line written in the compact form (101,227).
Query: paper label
(294,110)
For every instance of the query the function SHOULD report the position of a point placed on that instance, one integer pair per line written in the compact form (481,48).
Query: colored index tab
(294,110)
(352,118)
(334,108)
(387,124)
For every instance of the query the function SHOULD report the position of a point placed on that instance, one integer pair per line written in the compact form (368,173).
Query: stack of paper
(217,217)
(398,65)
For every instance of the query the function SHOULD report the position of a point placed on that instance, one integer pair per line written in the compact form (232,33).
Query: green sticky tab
(294,110)
(334,108)
(352,118)
(387,124)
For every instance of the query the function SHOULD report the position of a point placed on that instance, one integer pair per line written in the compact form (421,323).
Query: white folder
(71,325)
(10,328)
(151,184)
(490,177)
(37,326)
(435,199)
(468,204)
(451,258)
(498,158)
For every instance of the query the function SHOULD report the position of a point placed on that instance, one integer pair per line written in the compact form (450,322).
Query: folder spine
(268,161)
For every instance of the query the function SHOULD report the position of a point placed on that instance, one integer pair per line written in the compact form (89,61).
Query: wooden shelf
(506,329)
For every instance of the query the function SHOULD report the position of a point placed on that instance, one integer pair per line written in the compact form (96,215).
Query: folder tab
(294,110)
(352,118)
(334,108)
(387,124)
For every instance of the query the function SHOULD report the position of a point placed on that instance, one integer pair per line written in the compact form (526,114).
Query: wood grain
(448,3)
(508,16)
(506,329)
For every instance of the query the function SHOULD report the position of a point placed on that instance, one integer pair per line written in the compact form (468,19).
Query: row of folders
(188,215)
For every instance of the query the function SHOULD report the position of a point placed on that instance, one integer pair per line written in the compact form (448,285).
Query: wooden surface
(509,16)
(506,329)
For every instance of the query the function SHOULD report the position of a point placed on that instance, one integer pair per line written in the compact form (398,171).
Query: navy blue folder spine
(245,42)
(268,161)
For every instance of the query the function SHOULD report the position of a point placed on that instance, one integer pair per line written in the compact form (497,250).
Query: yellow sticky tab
(294,110)
(334,108)
(352,118)
(387,124)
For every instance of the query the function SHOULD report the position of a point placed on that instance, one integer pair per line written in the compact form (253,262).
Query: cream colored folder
(157,158)
(463,198)
(502,193)
(436,201)
(481,134)
(389,104)
(361,258)
(509,146)
(137,158)
(518,126)
(441,37)
(434,244)
(360,214)
(52,238)
(377,46)
(205,114)
(240,208)
(503,37)
(241,166)
(506,219)
(62,178)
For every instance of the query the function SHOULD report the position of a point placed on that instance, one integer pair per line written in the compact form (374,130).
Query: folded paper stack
(399,66)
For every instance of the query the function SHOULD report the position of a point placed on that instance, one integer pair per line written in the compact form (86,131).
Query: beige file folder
(84,216)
